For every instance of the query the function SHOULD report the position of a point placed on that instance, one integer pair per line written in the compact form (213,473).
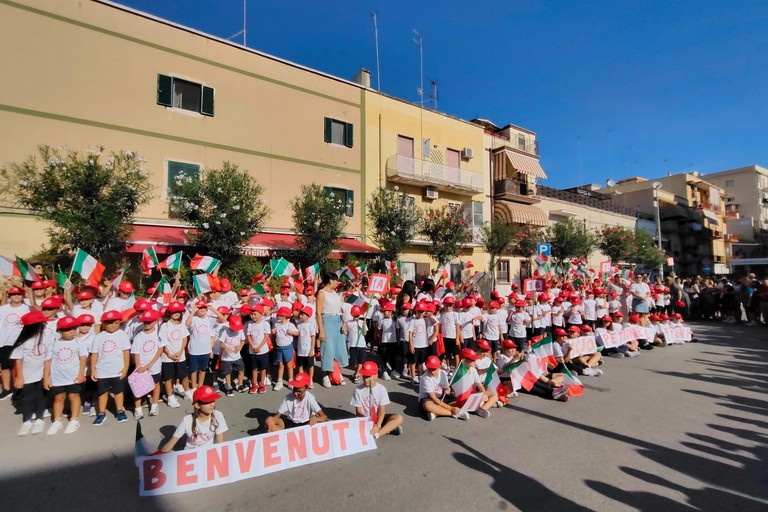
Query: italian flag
(462,384)
(259,288)
(205,283)
(118,279)
(393,266)
(312,271)
(575,387)
(492,381)
(442,274)
(149,260)
(7,267)
(355,300)
(207,264)
(88,267)
(521,375)
(346,273)
(164,289)
(25,270)
(543,349)
(61,277)
(281,267)
(172,262)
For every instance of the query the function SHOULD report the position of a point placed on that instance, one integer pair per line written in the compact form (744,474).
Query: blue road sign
(545,249)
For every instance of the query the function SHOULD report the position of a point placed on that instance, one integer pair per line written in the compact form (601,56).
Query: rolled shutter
(206,108)
(164,90)
(350,203)
(328,129)
(348,138)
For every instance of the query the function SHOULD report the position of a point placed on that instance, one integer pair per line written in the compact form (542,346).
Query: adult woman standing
(328,314)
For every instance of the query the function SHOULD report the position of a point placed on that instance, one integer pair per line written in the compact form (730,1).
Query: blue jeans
(334,347)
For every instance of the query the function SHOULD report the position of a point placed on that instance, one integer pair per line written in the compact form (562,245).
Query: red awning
(165,238)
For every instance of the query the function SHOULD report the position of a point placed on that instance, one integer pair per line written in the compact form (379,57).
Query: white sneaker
(173,403)
(92,411)
(462,415)
(38,426)
(154,409)
(25,429)
(326,382)
(343,381)
(46,414)
(73,426)
(278,386)
(430,416)
(178,388)
(188,394)
(86,407)
(598,372)
(55,427)
(138,413)
(267,381)
(395,374)
(386,376)
(482,413)
(589,372)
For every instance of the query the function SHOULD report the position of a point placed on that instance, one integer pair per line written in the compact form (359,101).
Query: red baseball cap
(309,291)
(33,317)
(224,310)
(51,303)
(483,345)
(84,295)
(448,301)
(126,287)
(267,303)
(150,316)
(509,344)
(560,332)
(406,305)
(369,369)
(618,314)
(38,285)
(111,316)
(283,311)
(86,319)
(300,380)
(574,328)
(606,318)
(433,363)
(493,305)
(236,323)
(468,353)
(201,304)
(306,310)
(49,283)
(67,322)
(257,308)
(176,307)
(225,285)
(296,306)
(586,328)
(205,395)
(15,290)
(520,304)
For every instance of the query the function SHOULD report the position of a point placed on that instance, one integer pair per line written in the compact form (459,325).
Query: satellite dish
(656,185)
(610,183)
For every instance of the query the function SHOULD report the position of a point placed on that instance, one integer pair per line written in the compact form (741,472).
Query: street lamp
(656,187)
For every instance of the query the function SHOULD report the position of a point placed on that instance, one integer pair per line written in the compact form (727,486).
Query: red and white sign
(474,401)
(606,267)
(252,456)
(378,283)
(583,345)
(533,285)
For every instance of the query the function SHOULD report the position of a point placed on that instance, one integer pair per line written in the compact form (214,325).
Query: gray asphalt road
(681,428)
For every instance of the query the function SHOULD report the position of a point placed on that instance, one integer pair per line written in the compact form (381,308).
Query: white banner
(582,345)
(252,456)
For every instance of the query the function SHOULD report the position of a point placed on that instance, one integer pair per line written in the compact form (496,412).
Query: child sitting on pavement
(370,400)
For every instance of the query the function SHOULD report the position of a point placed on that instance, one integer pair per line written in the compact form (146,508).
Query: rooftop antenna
(376,34)
(433,96)
(420,42)
(241,32)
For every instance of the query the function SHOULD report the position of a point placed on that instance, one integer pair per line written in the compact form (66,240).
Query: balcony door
(405,155)
(452,166)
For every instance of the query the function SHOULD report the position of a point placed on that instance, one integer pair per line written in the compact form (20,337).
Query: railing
(513,186)
(732,214)
(430,173)
(731,237)
(591,201)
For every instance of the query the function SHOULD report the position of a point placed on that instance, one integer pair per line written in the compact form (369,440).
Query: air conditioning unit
(430,193)
(467,153)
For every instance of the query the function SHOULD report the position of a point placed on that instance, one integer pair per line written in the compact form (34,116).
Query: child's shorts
(420,355)
(357,355)
(260,361)
(69,388)
(175,370)
(520,342)
(227,367)
(305,362)
(198,363)
(451,349)
(284,354)
(113,385)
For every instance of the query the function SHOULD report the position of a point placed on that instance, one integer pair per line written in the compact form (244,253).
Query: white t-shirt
(32,355)
(483,363)
(257,331)
(96,310)
(517,324)
(501,362)
(448,321)
(65,361)
(355,336)
(491,326)
(229,341)
(146,344)
(282,338)
(205,435)
(369,399)
(404,326)
(590,309)
(601,307)
(557,316)
(201,334)
(172,336)
(299,411)
(306,331)
(419,331)
(429,384)
(10,323)
(502,314)
(110,348)
(575,316)
(388,327)
(467,325)
(546,314)
(86,342)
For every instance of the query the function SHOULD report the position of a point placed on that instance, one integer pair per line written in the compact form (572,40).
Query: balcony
(515,190)
(402,169)
(732,214)
(731,237)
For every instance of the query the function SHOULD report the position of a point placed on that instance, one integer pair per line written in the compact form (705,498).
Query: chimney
(363,77)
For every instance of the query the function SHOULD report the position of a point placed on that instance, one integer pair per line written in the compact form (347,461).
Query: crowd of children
(67,350)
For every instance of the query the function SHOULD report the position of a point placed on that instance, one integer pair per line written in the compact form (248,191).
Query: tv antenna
(433,96)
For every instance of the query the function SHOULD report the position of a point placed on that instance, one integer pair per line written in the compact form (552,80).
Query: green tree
(225,208)
(88,199)
(446,230)
(646,252)
(394,220)
(497,238)
(318,217)
(617,242)
(570,239)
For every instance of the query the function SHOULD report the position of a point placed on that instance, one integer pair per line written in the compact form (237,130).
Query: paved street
(681,428)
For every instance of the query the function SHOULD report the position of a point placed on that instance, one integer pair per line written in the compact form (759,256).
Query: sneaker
(178,388)
(72,427)
(253,389)
(343,381)
(358,379)
(482,413)
(267,381)
(86,407)
(589,372)
(430,416)
(406,373)
(278,386)
(395,374)
(601,362)
(100,419)
(498,404)
(25,429)
(173,403)
(92,411)
(229,391)
(561,395)
(326,382)
(138,414)
(38,426)
(121,416)
(243,388)
(415,380)
(632,354)
(55,427)
(386,376)
(5,394)
(311,385)
(462,415)
(46,413)
(188,394)
(154,409)
(598,372)
(262,389)
(397,432)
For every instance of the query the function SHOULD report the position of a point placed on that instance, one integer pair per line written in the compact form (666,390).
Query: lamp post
(656,187)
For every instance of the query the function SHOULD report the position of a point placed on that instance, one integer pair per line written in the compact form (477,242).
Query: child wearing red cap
(110,360)
(147,349)
(306,344)
(450,327)
(85,337)
(418,342)
(467,318)
(590,309)
(298,408)
(10,327)
(204,426)
(433,386)
(29,351)
(387,339)
(403,332)
(64,373)
(470,358)
(492,327)
(175,335)
(370,400)
(518,322)
(284,331)
(258,337)
(356,330)
(202,336)
(231,340)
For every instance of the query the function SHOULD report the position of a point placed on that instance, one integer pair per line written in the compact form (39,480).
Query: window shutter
(348,135)
(207,101)
(328,129)
(164,90)
(350,203)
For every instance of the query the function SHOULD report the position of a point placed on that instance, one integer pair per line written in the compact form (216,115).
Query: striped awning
(711,216)
(525,164)
(516,213)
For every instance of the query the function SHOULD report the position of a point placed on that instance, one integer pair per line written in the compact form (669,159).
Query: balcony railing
(731,214)
(421,172)
(731,237)
(516,190)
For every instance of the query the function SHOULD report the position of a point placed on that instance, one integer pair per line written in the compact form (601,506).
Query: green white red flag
(149,260)
(575,387)
(207,264)
(281,267)
(492,380)
(7,267)
(520,374)
(88,267)
(205,283)
(462,384)
(164,289)
(172,262)
(311,272)
(25,270)
(543,349)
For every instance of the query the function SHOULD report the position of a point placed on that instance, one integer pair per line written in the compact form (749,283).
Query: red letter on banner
(341,428)
(362,432)
(326,445)
(218,464)
(245,455)
(185,469)
(269,446)
(154,478)
(297,444)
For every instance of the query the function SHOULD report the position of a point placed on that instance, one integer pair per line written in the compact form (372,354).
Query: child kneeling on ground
(370,400)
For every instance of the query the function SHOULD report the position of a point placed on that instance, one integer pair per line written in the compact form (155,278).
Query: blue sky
(612,88)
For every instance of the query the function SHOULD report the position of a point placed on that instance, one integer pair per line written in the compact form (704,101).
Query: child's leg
(185,383)
(274,424)
(438,410)
(357,369)
(168,387)
(311,371)
(74,405)
(280,370)
(290,370)
(262,377)
(119,401)
(193,378)
(200,379)
(390,423)
(156,394)
(5,375)
(58,406)
(102,406)
(490,399)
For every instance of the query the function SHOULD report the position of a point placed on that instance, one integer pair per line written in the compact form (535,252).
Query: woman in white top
(328,311)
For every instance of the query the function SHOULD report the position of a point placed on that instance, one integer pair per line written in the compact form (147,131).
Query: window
(338,132)
(178,93)
(728,183)
(343,195)
(473,213)
(502,271)
(521,142)
(408,271)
